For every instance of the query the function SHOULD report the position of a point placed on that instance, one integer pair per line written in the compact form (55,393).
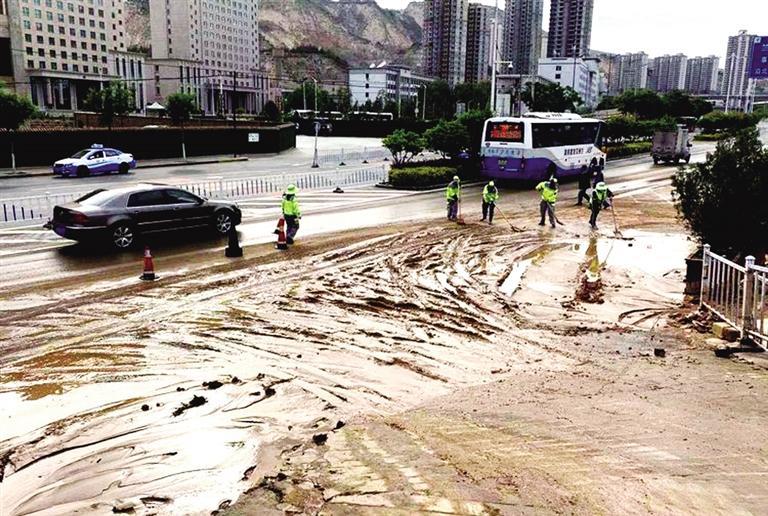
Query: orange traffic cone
(149,266)
(282,243)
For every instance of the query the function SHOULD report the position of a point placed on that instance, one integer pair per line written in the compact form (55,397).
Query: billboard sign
(758,62)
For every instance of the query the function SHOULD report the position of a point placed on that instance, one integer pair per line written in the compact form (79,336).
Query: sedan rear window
(97,198)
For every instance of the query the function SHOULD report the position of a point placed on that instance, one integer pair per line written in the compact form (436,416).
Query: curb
(11,175)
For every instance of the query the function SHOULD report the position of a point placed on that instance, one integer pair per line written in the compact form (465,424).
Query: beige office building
(209,48)
(60,49)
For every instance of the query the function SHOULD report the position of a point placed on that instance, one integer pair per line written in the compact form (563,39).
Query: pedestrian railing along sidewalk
(341,157)
(23,210)
(737,294)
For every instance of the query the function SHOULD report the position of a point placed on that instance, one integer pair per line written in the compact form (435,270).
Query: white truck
(672,146)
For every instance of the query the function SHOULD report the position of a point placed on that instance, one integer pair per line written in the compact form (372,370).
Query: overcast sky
(693,27)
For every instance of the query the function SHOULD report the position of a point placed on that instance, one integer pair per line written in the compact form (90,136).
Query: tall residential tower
(701,75)
(445,39)
(668,73)
(570,28)
(482,35)
(523,34)
(735,80)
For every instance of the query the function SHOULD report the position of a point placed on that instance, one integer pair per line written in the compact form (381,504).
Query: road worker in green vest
(490,197)
(453,196)
(291,212)
(599,200)
(548,190)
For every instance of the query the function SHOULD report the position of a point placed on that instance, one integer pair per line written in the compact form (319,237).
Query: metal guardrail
(737,294)
(24,210)
(334,158)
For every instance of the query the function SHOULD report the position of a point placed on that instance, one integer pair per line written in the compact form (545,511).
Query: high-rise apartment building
(483,30)
(668,73)
(735,80)
(627,72)
(522,35)
(701,75)
(208,48)
(445,39)
(570,28)
(61,49)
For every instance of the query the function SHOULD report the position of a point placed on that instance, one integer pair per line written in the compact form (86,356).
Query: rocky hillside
(337,34)
(358,32)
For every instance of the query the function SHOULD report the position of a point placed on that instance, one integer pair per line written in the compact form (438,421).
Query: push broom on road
(512,226)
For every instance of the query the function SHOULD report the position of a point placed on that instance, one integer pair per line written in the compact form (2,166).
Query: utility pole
(234,111)
(495,56)
(304,92)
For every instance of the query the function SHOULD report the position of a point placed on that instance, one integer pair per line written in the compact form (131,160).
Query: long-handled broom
(512,226)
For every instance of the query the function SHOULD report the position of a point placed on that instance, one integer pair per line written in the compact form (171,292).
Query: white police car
(94,161)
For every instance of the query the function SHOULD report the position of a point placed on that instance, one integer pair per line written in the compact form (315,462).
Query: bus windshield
(560,135)
(511,132)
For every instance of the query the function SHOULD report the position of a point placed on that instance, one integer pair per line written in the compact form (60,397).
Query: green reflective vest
(547,194)
(599,197)
(490,194)
(290,206)
(453,192)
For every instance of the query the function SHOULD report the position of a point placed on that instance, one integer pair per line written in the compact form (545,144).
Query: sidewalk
(7,173)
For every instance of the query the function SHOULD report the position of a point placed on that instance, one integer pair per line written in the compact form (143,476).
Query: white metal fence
(737,294)
(24,210)
(335,158)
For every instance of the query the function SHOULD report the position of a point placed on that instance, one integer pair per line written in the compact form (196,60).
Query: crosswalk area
(33,237)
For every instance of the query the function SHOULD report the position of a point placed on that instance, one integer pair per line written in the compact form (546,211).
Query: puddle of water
(515,277)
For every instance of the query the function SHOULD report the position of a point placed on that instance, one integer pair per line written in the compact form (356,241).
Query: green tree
(14,111)
(447,138)
(180,107)
(271,112)
(113,100)
(474,123)
(404,145)
(344,100)
(440,104)
(295,99)
(474,95)
(644,104)
(722,200)
(607,102)
(550,97)
(717,121)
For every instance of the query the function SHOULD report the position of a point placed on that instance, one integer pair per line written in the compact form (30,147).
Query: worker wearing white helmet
(490,197)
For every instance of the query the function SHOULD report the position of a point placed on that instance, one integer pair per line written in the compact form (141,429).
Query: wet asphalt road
(32,257)
(298,159)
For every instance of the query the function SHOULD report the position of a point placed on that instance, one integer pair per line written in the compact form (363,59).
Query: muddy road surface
(175,397)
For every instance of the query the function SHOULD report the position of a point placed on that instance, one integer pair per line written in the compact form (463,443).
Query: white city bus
(523,148)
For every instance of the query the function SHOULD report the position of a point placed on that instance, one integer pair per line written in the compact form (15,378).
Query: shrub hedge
(627,149)
(421,177)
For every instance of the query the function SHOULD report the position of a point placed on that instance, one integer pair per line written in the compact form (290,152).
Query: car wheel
(122,236)
(82,171)
(655,161)
(223,222)
(123,168)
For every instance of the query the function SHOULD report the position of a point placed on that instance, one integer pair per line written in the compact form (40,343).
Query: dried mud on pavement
(422,368)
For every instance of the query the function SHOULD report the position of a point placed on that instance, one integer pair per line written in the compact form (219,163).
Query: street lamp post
(424,113)
(730,83)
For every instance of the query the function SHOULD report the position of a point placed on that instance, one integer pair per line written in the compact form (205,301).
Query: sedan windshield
(80,154)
